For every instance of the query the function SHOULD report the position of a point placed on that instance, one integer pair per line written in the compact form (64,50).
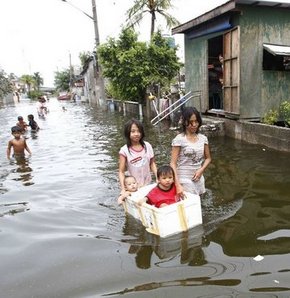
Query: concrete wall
(271,136)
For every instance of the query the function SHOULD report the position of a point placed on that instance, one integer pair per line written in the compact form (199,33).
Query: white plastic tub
(165,221)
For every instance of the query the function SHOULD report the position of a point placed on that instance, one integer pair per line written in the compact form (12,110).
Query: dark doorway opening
(215,72)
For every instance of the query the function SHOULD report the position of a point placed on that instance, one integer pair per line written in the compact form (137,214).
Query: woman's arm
(207,160)
(175,151)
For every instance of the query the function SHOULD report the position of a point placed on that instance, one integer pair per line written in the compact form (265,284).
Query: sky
(46,36)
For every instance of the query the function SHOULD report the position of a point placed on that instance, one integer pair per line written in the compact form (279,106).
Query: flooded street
(63,235)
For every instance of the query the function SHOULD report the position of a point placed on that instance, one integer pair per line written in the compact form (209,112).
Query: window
(276,57)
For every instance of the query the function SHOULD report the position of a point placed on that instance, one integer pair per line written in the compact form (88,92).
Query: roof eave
(228,6)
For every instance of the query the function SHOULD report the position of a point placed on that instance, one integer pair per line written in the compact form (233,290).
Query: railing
(180,103)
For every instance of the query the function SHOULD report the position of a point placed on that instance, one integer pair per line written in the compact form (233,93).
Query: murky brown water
(63,235)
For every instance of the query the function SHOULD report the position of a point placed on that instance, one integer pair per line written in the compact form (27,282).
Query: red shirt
(158,196)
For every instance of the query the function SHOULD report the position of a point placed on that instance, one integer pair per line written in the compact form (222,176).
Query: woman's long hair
(186,115)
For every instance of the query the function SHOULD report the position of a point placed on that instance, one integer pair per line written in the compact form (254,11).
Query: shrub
(285,112)
(271,117)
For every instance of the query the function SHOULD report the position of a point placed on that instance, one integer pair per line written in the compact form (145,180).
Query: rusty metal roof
(228,6)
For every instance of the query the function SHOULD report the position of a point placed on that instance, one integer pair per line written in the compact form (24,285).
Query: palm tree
(142,7)
(38,80)
(28,80)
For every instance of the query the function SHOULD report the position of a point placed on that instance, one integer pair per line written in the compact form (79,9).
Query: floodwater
(63,235)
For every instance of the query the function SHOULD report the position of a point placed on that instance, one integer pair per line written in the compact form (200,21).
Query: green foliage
(62,80)
(84,57)
(285,112)
(34,94)
(142,8)
(132,66)
(38,80)
(28,80)
(5,84)
(271,117)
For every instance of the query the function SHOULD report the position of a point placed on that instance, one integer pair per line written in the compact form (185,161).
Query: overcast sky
(42,35)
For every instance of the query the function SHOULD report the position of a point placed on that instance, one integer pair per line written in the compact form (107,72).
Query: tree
(28,80)
(142,7)
(62,80)
(133,66)
(38,80)
(6,85)
(84,57)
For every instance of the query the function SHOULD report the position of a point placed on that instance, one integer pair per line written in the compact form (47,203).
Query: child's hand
(141,201)
(121,199)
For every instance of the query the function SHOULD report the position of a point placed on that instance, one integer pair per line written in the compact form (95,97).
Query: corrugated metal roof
(277,49)
(228,6)
(281,3)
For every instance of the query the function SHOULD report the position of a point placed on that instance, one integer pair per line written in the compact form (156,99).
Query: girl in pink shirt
(137,156)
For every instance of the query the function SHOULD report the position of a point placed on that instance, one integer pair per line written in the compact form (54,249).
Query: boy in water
(32,123)
(130,186)
(165,192)
(18,144)
(22,124)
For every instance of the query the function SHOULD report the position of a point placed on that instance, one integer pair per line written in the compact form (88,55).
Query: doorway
(215,73)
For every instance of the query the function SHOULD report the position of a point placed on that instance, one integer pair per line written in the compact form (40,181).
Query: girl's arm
(175,151)
(122,169)
(153,167)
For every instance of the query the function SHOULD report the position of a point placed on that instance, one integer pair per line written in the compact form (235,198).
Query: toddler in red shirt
(165,192)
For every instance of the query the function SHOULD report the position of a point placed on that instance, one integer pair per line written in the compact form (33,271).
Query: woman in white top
(190,154)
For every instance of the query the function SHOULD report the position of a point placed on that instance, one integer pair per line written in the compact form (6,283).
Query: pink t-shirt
(138,163)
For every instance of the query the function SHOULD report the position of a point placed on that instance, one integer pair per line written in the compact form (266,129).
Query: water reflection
(22,170)
(13,208)
(186,246)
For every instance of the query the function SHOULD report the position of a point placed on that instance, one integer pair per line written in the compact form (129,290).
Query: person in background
(190,154)
(137,156)
(22,124)
(164,193)
(32,123)
(18,144)
(42,109)
(131,185)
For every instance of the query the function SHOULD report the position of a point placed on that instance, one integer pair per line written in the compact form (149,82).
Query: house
(238,56)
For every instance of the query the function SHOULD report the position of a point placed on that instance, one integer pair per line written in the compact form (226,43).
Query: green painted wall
(261,90)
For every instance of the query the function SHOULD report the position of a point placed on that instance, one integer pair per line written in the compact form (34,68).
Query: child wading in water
(32,123)
(22,124)
(136,156)
(164,193)
(131,185)
(18,144)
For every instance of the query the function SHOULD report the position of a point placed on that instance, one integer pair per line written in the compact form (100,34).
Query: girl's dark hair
(30,116)
(165,169)
(127,131)
(186,115)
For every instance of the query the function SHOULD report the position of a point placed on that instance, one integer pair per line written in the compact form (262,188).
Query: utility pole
(100,85)
(99,81)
